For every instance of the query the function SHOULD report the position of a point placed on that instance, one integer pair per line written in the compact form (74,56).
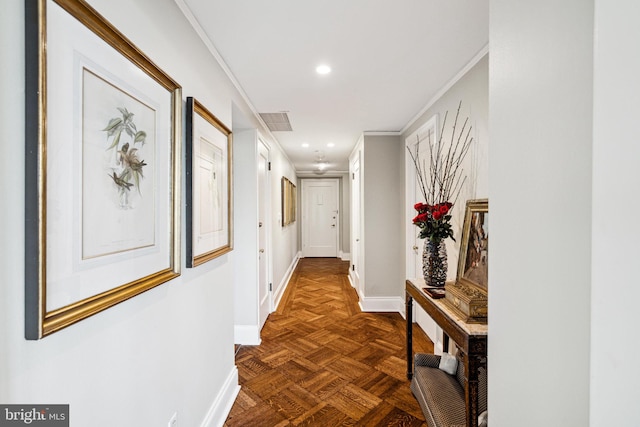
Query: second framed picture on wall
(209,189)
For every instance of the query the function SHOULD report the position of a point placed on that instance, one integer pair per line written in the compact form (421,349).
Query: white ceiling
(389,59)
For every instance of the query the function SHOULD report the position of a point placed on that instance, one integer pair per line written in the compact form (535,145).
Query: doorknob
(415,248)
(333,225)
(261,251)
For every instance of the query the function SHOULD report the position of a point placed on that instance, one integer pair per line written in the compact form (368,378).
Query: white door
(414,195)
(320,218)
(264,221)
(356,224)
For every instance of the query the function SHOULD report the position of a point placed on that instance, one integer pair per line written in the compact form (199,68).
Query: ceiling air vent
(277,122)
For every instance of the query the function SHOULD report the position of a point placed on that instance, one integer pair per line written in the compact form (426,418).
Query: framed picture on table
(473,261)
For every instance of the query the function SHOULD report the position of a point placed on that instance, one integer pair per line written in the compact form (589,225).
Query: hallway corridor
(323,362)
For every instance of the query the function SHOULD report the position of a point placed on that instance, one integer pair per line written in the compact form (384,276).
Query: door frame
(357,222)
(303,198)
(267,224)
(413,255)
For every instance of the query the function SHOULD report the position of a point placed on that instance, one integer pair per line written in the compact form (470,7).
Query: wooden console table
(471,340)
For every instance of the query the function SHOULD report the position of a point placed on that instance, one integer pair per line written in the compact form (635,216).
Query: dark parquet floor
(323,362)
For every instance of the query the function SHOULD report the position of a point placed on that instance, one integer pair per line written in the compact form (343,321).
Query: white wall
(615,289)
(169,349)
(245,158)
(383,177)
(285,239)
(540,99)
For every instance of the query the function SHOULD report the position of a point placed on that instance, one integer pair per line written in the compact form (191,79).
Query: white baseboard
(282,286)
(350,280)
(381,304)
(221,405)
(246,335)
(345,256)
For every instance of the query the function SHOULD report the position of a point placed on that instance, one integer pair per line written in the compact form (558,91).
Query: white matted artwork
(119,166)
(209,189)
(102,186)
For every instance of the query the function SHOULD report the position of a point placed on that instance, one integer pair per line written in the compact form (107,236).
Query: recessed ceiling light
(323,69)
(331,144)
(305,145)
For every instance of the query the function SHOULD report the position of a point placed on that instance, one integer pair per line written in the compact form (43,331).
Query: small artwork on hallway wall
(209,185)
(102,221)
(289,201)
(473,262)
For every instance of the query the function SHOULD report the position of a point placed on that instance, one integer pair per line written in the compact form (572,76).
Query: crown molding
(381,133)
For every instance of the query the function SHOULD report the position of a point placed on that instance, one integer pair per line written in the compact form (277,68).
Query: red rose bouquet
(434,221)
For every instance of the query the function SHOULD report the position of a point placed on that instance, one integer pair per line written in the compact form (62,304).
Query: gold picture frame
(102,167)
(289,202)
(209,189)
(473,261)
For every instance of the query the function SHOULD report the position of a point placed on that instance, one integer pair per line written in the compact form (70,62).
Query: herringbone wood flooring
(323,362)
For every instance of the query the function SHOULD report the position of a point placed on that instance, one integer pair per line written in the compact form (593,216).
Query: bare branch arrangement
(441,175)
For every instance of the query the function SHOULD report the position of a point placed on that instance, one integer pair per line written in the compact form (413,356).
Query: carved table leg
(472,365)
(409,315)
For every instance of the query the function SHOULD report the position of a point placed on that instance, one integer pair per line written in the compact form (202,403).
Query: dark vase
(434,263)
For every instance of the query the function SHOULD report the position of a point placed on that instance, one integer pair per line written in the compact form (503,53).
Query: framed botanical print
(102,204)
(209,185)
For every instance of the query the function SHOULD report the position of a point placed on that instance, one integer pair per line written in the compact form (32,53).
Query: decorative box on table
(468,301)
